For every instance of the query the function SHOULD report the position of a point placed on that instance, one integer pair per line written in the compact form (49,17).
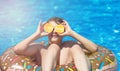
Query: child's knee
(76,47)
(68,43)
(43,51)
(54,47)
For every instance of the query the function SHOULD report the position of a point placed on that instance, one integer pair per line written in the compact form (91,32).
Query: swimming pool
(97,20)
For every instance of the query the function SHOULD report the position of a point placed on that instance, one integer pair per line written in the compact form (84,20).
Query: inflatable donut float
(103,60)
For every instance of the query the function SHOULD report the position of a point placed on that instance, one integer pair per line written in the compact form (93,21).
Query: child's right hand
(40,30)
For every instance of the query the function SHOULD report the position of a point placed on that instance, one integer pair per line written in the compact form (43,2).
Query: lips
(55,35)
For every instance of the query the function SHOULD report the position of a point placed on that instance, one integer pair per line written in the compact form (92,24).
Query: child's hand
(68,30)
(40,30)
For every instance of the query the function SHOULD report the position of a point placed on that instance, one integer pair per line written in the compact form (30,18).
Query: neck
(58,42)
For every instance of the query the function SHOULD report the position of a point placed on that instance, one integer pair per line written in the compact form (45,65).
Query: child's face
(54,36)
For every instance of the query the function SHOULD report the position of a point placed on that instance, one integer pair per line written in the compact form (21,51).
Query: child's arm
(87,43)
(25,47)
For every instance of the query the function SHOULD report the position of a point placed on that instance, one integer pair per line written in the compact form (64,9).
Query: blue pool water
(97,20)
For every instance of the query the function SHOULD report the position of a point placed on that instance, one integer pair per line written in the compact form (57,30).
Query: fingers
(44,34)
(63,34)
(41,25)
(66,23)
(40,22)
(44,22)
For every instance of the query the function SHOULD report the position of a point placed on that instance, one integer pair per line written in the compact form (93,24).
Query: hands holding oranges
(63,29)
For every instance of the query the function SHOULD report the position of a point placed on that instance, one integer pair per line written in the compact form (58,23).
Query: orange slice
(59,29)
(48,28)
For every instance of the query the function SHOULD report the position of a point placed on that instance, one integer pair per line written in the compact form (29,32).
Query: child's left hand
(68,30)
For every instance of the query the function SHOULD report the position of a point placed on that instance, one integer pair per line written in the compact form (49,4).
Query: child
(56,51)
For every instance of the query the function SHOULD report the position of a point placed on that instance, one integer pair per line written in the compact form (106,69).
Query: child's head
(57,20)
(54,34)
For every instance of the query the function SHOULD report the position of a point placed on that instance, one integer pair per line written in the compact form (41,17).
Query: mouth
(55,35)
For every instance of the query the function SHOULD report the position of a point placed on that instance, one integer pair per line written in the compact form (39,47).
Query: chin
(54,40)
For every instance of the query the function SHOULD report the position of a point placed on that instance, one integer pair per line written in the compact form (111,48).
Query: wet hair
(56,20)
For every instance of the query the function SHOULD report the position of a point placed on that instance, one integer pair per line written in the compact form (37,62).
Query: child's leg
(72,49)
(43,55)
(81,62)
(51,57)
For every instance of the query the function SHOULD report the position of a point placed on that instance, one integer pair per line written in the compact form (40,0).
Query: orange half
(59,29)
(48,28)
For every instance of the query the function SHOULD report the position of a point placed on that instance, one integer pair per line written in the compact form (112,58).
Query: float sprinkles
(100,59)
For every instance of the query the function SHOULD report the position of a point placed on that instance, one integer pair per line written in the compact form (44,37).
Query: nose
(54,31)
